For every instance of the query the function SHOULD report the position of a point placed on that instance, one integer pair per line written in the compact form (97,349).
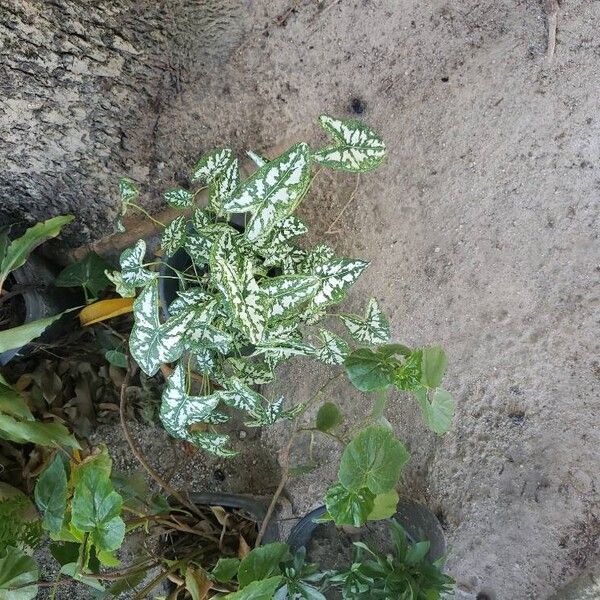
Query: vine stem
(285,458)
(140,456)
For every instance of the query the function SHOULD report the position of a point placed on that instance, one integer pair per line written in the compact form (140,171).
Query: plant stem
(285,458)
(146,213)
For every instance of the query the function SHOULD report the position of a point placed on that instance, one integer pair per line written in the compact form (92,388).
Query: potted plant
(247,298)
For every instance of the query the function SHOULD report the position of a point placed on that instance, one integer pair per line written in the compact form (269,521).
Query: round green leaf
(329,416)
(348,507)
(16,570)
(369,371)
(373,459)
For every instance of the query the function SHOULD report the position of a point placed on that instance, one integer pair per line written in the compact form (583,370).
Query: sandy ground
(482,231)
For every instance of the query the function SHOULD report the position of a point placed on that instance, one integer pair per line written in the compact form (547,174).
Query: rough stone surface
(482,229)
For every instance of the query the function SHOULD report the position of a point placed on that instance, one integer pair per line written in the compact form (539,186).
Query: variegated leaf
(198,247)
(251,373)
(128,192)
(124,289)
(215,443)
(317,256)
(273,192)
(151,343)
(336,277)
(271,413)
(209,338)
(373,329)
(240,396)
(223,186)
(233,275)
(179,198)
(334,349)
(133,272)
(189,298)
(179,411)
(285,349)
(289,228)
(289,292)
(211,165)
(203,361)
(257,159)
(174,235)
(357,149)
(202,218)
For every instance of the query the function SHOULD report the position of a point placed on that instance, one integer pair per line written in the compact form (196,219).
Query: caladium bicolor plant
(252,296)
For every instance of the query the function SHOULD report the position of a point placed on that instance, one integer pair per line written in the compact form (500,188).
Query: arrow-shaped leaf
(373,329)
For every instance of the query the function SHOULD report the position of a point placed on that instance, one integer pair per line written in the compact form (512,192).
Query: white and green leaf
(212,165)
(357,148)
(174,235)
(273,192)
(133,272)
(179,198)
(272,412)
(257,159)
(223,186)
(374,328)
(251,373)
(152,344)
(288,293)
(334,349)
(336,277)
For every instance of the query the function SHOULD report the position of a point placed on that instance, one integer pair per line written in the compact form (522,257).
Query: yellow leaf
(105,309)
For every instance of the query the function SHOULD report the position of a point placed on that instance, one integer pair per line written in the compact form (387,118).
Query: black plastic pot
(168,284)
(41,299)
(256,508)
(417,520)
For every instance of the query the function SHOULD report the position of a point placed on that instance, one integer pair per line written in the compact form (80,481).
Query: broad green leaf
(417,552)
(116,358)
(433,366)
(329,417)
(20,522)
(373,459)
(288,293)
(223,186)
(174,235)
(384,506)
(99,461)
(226,569)
(133,272)
(151,343)
(179,198)
(348,507)
(370,371)
(65,552)
(74,570)
(16,570)
(96,509)
(34,432)
(4,241)
(88,272)
(211,165)
(357,147)
(19,250)
(273,192)
(23,334)
(408,374)
(271,412)
(336,276)
(374,328)
(257,590)
(438,413)
(334,349)
(261,563)
(12,403)
(51,495)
